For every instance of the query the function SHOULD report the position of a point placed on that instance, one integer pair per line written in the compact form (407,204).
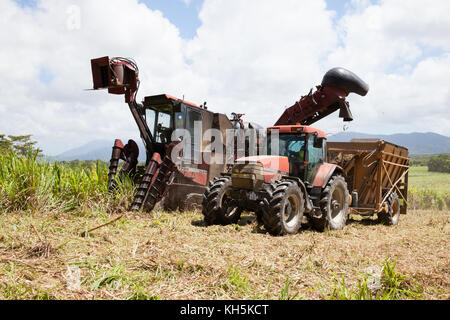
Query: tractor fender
(308,202)
(324,174)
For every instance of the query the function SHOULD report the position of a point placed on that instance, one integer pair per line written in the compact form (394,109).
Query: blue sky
(183,14)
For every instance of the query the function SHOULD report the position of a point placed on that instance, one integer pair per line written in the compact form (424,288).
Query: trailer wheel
(333,205)
(217,208)
(286,207)
(391,217)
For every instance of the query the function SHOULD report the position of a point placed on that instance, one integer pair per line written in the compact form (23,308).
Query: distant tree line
(439,163)
(420,159)
(21,145)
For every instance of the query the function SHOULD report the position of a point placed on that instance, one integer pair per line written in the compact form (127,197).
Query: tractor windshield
(290,145)
(293,147)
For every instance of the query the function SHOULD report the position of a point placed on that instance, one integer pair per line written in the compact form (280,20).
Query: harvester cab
(164,114)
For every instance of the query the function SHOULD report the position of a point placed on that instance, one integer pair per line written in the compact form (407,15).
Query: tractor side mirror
(318,142)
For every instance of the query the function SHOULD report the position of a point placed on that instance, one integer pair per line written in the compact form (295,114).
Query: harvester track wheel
(334,205)
(286,207)
(217,206)
(392,216)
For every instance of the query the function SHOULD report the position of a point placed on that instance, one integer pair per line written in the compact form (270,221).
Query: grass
(138,260)
(428,190)
(387,285)
(421,178)
(33,186)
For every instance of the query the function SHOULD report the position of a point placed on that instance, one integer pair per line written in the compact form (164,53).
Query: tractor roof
(297,129)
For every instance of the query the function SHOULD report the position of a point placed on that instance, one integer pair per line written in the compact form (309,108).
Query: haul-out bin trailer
(376,173)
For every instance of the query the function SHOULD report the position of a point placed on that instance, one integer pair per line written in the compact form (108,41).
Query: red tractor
(294,179)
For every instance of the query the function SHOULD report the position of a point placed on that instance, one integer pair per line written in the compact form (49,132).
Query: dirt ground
(174,256)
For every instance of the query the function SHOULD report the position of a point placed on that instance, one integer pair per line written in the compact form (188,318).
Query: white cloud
(61,114)
(260,56)
(248,56)
(387,44)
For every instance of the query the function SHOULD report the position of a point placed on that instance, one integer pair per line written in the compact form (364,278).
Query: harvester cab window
(192,117)
(163,127)
(150,117)
(179,120)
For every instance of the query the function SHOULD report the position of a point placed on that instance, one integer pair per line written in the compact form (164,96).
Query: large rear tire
(334,205)
(391,217)
(286,207)
(217,207)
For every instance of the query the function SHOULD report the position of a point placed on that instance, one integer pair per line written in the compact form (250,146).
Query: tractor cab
(304,146)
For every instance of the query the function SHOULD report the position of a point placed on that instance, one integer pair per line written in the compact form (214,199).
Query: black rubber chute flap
(347,80)
(345,113)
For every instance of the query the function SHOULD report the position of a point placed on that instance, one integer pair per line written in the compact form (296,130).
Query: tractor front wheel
(285,212)
(217,206)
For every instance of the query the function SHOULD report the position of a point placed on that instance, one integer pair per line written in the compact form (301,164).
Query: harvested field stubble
(174,256)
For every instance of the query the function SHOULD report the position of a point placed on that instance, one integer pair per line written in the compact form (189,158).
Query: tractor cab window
(290,145)
(293,147)
(315,156)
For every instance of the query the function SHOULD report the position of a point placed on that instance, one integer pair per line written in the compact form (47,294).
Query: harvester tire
(216,206)
(286,207)
(391,217)
(334,205)
(193,201)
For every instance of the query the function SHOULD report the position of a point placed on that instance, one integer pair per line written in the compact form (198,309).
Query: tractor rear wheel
(334,205)
(286,207)
(391,217)
(217,206)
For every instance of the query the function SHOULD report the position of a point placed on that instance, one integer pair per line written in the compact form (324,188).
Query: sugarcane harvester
(161,181)
(295,178)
